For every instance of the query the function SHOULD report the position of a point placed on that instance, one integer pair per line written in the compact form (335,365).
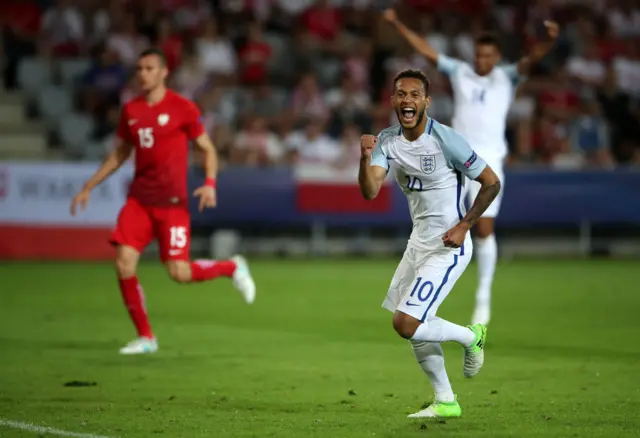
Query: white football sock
(430,357)
(441,330)
(486,252)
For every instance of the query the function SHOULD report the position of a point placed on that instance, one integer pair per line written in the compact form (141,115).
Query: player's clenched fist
(367,143)
(390,15)
(553,30)
(454,238)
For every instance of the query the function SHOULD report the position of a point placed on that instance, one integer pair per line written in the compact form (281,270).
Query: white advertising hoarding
(41,194)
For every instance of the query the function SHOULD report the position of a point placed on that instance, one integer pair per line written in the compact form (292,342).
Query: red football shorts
(138,225)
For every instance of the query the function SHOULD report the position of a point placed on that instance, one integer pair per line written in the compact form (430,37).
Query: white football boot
(242,279)
(140,346)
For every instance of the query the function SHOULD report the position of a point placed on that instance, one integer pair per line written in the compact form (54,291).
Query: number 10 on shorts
(178,238)
(423,290)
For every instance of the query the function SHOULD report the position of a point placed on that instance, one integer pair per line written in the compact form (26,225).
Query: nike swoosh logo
(409,303)
(391,158)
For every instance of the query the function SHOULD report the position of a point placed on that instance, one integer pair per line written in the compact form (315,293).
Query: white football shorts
(423,279)
(473,187)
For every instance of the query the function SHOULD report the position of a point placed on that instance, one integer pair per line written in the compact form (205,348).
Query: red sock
(133,297)
(203,270)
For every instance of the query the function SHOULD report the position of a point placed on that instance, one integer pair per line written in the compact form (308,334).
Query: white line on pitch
(42,429)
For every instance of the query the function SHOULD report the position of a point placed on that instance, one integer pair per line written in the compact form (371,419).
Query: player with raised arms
(429,162)
(482,95)
(158,126)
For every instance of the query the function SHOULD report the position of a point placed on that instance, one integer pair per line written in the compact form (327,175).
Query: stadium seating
(74,131)
(70,70)
(34,74)
(53,104)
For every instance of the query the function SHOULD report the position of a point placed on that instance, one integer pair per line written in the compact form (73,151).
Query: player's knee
(484,228)
(125,266)
(405,325)
(180,272)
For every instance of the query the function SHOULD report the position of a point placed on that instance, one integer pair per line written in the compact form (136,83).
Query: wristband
(210,182)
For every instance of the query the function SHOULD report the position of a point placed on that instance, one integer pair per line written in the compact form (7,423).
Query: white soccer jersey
(481,104)
(429,172)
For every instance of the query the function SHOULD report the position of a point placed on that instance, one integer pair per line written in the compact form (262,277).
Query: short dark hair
(154,51)
(489,39)
(414,74)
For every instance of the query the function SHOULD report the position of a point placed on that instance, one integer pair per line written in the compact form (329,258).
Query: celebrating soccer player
(158,125)
(482,95)
(429,161)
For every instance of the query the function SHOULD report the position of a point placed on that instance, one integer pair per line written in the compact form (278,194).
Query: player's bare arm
(539,49)
(207,192)
(111,163)
(416,41)
(490,187)
(370,178)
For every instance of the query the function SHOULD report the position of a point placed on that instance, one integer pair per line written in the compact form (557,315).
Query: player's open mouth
(408,114)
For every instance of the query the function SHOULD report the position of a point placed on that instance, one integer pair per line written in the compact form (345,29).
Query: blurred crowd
(286,81)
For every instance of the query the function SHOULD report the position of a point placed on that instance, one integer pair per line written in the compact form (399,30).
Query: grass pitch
(316,356)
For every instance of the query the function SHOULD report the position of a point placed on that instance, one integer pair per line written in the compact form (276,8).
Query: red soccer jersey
(161,135)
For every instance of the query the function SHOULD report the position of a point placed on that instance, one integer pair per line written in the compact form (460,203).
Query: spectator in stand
(147,13)
(349,156)
(627,68)
(63,29)
(587,67)
(307,99)
(130,90)
(582,33)
(192,15)
(20,27)
(254,56)
(589,135)
(357,17)
(610,45)
(323,24)
(624,18)
(434,36)
(618,108)
(191,77)
(218,113)
(558,97)
(99,18)
(358,63)
(103,81)
(170,41)
(217,108)
(323,21)
(348,104)
(550,138)
(216,53)
(293,8)
(256,145)
(464,41)
(311,145)
(105,130)
(263,101)
(125,41)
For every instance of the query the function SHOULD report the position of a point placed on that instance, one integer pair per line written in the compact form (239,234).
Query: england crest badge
(428,163)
